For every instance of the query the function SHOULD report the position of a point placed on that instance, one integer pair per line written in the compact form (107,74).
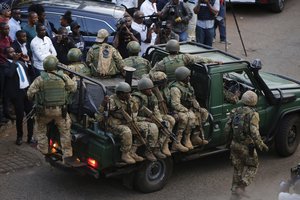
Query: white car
(275,5)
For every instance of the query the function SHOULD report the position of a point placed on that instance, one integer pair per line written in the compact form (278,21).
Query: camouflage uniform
(104,60)
(141,65)
(190,114)
(51,94)
(80,68)
(169,64)
(230,97)
(244,123)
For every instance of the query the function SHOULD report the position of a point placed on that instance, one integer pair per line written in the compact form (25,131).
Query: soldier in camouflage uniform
(145,97)
(190,114)
(141,65)
(74,57)
(169,64)
(162,93)
(51,90)
(244,124)
(103,59)
(117,123)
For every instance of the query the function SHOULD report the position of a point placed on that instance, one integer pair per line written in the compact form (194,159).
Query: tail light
(92,162)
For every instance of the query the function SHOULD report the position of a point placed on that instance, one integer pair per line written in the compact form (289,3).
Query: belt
(53,107)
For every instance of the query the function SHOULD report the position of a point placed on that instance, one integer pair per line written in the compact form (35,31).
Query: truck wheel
(153,176)
(277,6)
(288,136)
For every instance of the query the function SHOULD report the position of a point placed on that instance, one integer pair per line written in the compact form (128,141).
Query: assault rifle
(30,115)
(135,128)
(161,102)
(158,123)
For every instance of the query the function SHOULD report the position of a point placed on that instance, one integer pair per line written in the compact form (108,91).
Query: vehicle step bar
(202,154)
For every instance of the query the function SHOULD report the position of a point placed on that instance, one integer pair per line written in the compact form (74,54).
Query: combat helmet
(123,87)
(158,76)
(50,63)
(181,73)
(249,98)
(133,47)
(172,46)
(74,55)
(144,84)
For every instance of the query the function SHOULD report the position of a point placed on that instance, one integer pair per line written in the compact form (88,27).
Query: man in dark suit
(16,85)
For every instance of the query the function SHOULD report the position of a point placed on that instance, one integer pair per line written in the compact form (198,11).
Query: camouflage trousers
(149,132)
(63,125)
(171,123)
(245,165)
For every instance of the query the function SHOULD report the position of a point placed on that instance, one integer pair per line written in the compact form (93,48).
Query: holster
(251,148)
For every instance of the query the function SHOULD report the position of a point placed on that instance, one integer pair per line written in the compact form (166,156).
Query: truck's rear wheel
(288,136)
(153,176)
(277,6)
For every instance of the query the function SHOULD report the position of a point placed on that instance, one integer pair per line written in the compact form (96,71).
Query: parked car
(278,105)
(90,15)
(275,5)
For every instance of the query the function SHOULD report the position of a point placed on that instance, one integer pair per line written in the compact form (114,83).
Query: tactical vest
(117,113)
(187,93)
(204,12)
(81,68)
(241,125)
(171,64)
(53,92)
(102,59)
(140,64)
(149,102)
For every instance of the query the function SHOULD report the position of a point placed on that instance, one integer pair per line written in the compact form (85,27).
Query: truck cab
(278,106)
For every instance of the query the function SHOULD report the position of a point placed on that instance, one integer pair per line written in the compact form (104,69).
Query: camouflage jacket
(141,65)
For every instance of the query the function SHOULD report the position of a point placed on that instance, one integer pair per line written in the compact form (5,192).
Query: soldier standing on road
(244,122)
(117,124)
(169,64)
(163,95)
(74,57)
(145,97)
(190,114)
(51,90)
(104,60)
(141,65)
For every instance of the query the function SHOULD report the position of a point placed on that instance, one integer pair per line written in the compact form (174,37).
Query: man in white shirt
(41,46)
(145,32)
(285,195)
(148,7)
(14,23)
(131,5)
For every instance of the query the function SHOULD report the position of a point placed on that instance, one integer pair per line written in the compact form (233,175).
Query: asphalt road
(274,38)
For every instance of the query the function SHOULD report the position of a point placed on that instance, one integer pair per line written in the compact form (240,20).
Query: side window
(200,82)
(54,20)
(93,26)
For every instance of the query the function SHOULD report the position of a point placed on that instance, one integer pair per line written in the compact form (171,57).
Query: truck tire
(277,6)
(153,176)
(288,136)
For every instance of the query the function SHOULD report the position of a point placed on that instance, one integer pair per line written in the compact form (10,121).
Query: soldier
(103,59)
(141,65)
(74,57)
(117,123)
(244,123)
(190,114)
(170,63)
(51,90)
(145,97)
(163,95)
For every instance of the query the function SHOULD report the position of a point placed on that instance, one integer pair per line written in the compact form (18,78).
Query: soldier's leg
(64,127)
(165,143)
(251,166)
(41,133)
(182,125)
(198,117)
(238,168)
(125,134)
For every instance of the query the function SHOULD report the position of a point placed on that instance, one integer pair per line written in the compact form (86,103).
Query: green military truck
(278,106)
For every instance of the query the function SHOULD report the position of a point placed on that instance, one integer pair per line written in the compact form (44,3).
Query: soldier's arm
(254,131)
(71,85)
(189,59)
(137,103)
(34,88)
(159,66)
(119,61)
(157,111)
(175,100)
(89,57)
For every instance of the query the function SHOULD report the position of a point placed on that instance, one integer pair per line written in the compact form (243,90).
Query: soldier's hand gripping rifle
(135,129)
(161,102)
(158,123)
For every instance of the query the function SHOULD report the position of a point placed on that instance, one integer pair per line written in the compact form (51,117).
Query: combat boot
(159,154)
(240,191)
(165,148)
(197,140)
(133,154)
(127,158)
(149,155)
(178,146)
(187,142)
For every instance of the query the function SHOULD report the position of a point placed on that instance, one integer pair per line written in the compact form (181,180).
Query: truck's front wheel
(288,136)
(153,176)
(277,6)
